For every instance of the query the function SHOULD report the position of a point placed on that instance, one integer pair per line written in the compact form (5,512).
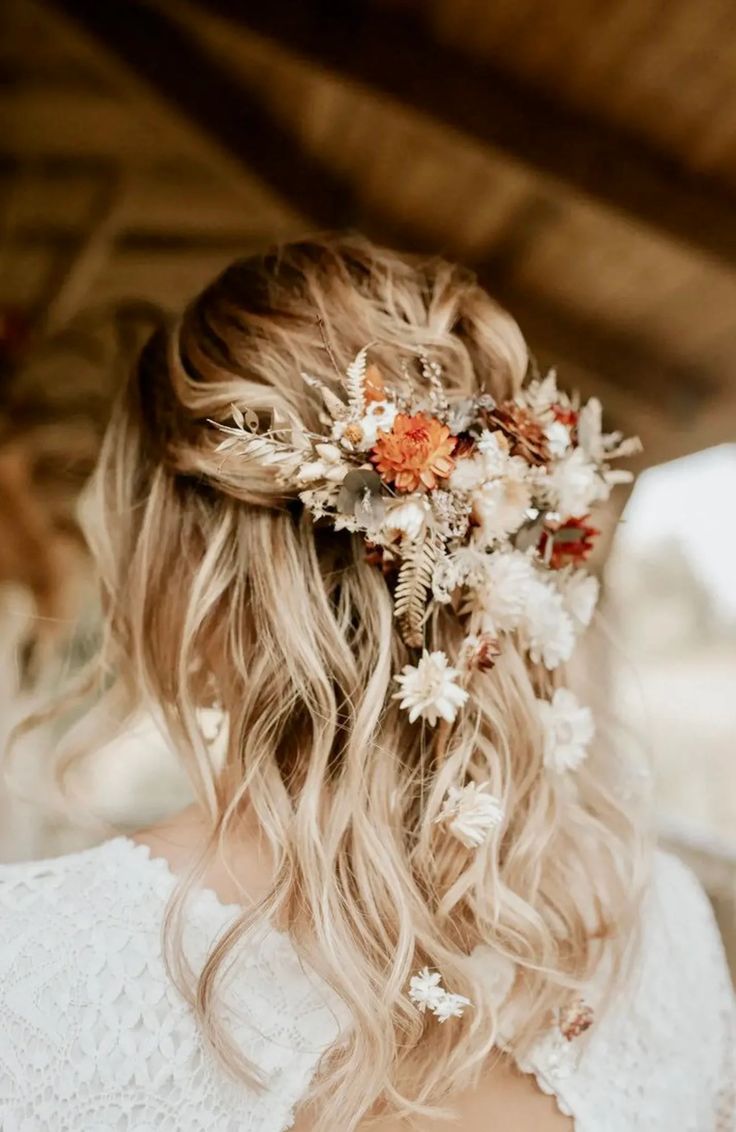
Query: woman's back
(93,1034)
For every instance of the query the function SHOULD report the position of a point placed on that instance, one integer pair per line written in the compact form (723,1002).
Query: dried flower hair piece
(426,992)
(477,503)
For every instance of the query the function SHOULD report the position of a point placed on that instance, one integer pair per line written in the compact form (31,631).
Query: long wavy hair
(218,588)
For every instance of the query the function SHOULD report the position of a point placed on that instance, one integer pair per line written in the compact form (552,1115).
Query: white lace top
(94,1038)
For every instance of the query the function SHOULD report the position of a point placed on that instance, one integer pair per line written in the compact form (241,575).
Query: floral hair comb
(474,503)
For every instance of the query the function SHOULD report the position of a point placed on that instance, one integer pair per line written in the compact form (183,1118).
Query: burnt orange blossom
(417,451)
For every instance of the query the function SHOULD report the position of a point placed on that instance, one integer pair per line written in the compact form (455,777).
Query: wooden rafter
(393,53)
(176,68)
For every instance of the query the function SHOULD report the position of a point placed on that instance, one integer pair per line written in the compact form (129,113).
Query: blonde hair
(218,587)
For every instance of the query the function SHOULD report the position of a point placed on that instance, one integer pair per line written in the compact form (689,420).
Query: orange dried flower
(418,450)
(375,390)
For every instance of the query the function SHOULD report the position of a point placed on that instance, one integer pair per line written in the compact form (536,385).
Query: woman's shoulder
(103,879)
(681,941)
(661,1052)
(83,977)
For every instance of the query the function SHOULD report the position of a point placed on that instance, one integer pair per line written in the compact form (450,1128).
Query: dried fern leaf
(412,590)
(355,382)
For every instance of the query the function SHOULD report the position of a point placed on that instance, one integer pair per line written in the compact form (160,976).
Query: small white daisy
(550,630)
(508,579)
(429,689)
(558,438)
(576,484)
(500,505)
(471,813)
(408,517)
(568,729)
(426,990)
(451,1006)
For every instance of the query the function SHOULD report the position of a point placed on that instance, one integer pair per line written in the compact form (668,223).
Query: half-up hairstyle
(220,588)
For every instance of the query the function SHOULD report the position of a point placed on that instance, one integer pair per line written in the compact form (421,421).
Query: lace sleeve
(726,1113)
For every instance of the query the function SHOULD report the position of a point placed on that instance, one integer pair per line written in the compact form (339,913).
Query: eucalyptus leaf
(354,487)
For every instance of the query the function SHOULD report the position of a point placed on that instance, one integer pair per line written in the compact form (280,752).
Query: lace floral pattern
(93,1035)
(662,1057)
(94,1038)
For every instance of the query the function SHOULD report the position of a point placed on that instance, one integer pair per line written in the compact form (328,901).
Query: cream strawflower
(502,599)
(469,565)
(576,484)
(408,517)
(549,628)
(580,592)
(470,813)
(500,505)
(490,461)
(468,474)
(426,990)
(558,438)
(568,729)
(429,689)
(330,466)
(494,448)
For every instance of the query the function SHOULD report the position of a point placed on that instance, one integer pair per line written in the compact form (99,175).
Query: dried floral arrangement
(480,505)
(473,503)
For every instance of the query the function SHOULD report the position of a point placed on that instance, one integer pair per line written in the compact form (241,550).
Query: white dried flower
(451,1006)
(568,729)
(558,438)
(508,576)
(320,500)
(468,565)
(549,628)
(426,990)
(471,813)
(468,474)
(408,517)
(541,394)
(500,505)
(359,434)
(580,592)
(330,465)
(379,417)
(494,448)
(576,484)
(590,435)
(429,689)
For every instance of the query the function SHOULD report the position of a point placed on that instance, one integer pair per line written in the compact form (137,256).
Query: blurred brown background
(580,155)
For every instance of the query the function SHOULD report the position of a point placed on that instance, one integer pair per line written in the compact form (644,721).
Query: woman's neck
(240,872)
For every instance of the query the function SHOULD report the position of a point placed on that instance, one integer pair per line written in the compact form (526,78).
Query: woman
(335,504)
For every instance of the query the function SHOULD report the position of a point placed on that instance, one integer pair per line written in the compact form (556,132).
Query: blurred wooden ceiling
(580,155)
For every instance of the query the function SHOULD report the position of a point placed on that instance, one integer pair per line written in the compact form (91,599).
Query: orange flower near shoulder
(417,452)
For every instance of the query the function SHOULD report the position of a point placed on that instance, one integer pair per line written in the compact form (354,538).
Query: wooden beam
(176,68)
(171,63)
(394,53)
